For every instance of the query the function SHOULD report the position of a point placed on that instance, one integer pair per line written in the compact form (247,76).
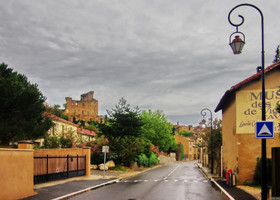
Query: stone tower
(86,109)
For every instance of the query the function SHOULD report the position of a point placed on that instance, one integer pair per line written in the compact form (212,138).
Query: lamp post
(203,113)
(237,45)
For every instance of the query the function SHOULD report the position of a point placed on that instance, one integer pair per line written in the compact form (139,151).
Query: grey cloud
(168,55)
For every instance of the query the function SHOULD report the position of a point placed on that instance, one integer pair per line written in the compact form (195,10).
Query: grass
(120,168)
(252,184)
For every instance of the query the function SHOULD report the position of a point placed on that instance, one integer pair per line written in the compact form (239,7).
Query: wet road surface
(176,181)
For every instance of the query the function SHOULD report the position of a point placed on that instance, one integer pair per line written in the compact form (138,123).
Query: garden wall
(16,172)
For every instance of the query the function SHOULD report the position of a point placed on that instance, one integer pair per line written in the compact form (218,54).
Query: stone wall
(86,109)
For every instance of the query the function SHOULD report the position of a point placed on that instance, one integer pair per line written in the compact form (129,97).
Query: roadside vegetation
(133,135)
(21,108)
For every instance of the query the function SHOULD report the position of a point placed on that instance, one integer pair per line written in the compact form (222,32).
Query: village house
(178,128)
(241,108)
(190,147)
(67,129)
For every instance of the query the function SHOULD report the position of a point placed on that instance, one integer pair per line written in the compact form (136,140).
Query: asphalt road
(176,181)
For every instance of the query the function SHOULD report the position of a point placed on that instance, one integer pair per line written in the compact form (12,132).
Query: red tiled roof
(86,132)
(232,90)
(56,118)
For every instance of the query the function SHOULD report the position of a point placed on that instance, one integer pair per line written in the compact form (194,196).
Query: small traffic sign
(105,149)
(264,129)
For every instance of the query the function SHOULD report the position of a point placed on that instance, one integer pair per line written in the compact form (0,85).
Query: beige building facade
(190,148)
(85,109)
(67,129)
(241,108)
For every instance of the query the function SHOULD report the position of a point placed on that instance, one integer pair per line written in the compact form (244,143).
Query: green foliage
(213,143)
(123,121)
(65,142)
(131,133)
(153,159)
(185,133)
(126,149)
(92,128)
(181,152)
(258,171)
(123,130)
(55,110)
(158,130)
(120,168)
(97,156)
(277,56)
(51,142)
(21,108)
(145,161)
(142,160)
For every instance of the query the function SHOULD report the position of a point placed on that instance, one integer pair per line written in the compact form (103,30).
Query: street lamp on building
(203,113)
(237,45)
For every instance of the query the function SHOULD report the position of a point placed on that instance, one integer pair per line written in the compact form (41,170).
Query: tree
(277,56)
(123,121)
(123,130)
(158,130)
(55,110)
(213,143)
(21,108)
(185,133)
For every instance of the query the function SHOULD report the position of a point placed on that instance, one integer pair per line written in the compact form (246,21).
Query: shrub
(51,142)
(181,152)
(65,142)
(153,159)
(144,161)
(258,171)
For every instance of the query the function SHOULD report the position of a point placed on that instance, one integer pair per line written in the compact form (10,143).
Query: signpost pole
(104,164)
(105,149)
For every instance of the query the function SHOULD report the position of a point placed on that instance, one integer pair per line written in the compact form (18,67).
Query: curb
(87,189)
(222,189)
(212,180)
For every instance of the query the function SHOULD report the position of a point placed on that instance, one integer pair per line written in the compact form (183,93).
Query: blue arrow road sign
(264,129)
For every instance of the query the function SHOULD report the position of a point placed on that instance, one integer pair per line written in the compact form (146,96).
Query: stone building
(190,148)
(178,128)
(86,109)
(241,108)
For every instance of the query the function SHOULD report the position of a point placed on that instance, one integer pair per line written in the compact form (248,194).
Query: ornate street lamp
(238,44)
(203,113)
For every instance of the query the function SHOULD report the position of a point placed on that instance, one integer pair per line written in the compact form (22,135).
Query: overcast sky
(170,55)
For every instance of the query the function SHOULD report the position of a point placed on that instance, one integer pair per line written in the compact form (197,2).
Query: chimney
(259,68)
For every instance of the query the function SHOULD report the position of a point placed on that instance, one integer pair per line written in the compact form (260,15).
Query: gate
(49,168)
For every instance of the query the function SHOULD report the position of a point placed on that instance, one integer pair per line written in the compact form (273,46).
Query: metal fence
(49,168)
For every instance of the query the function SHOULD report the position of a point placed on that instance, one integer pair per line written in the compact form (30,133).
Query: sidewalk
(233,193)
(62,189)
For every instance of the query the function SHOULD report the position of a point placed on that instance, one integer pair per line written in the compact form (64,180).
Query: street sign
(264,129)
(105,149)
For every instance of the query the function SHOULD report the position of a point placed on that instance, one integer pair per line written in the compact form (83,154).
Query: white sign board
(105,149)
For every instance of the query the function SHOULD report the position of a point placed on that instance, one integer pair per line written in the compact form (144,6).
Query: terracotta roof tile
(86,132)
(232,90)
(56,118)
